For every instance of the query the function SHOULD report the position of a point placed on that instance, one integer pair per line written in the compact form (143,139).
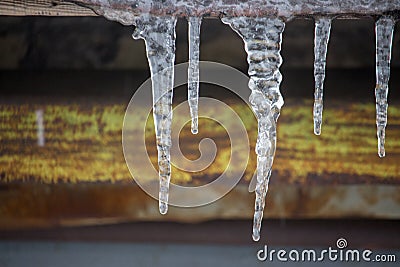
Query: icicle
(262,38)
(321,39)
(159,36)
(384,35)
(193,71)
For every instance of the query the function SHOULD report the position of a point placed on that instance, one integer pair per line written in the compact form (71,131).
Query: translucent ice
(159,36)
(321,39)
(262,38)
(384,35)
(193,72)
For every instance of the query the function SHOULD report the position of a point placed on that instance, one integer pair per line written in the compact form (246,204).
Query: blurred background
(67,198)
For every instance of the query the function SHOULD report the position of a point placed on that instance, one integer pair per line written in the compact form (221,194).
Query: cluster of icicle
(384,35)
(159,36)
(262,38)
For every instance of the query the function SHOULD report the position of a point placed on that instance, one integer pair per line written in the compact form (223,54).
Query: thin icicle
(384,36)
(159,36)
(321,39)
(193,71)
(262,38)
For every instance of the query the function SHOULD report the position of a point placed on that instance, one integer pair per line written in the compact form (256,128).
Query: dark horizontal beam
(323,233)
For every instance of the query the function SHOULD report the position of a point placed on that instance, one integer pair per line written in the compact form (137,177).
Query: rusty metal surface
(316,180)
(28,205)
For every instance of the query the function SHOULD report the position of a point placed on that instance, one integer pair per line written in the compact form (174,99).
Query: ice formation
(193,71)
(321,39)
(159,36)
(262,39)
(384,36)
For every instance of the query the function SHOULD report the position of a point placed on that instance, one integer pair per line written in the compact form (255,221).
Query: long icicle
(321,39)
(384,36)
(193,71)
(262,38)
(159,36)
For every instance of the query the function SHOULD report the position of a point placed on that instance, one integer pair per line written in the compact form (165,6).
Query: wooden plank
(42,8)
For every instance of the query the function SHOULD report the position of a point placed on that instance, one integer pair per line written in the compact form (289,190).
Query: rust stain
(42,206)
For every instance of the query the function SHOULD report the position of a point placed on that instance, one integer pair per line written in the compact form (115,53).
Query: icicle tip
(195,126)
(256,235)
(163,207)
